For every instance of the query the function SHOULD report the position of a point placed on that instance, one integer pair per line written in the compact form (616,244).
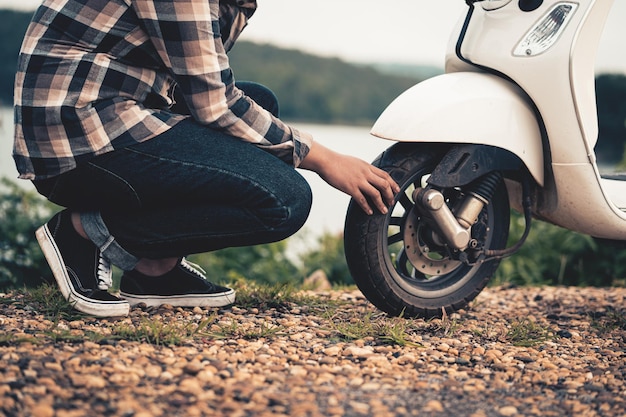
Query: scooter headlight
(546,32)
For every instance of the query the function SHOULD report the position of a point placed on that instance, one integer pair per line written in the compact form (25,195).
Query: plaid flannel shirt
(99,75)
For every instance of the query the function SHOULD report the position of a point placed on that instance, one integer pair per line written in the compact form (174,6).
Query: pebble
(309,368)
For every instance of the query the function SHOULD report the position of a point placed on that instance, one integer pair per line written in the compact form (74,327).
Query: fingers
(379,189)
(385,184)
(363,203)
(369,186)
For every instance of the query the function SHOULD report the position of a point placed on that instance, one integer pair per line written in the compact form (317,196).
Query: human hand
(366,184)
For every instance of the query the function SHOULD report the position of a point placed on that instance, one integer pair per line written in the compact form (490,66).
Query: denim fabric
(99,234)
(189,190)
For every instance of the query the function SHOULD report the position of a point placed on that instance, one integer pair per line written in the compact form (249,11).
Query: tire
(374,245)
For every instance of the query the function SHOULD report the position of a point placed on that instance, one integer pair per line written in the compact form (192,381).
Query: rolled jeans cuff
(99,234)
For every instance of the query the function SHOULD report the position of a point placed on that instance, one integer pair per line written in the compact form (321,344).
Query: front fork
(477,171)
(456,227)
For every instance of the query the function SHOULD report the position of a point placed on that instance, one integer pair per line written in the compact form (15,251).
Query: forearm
(317,158)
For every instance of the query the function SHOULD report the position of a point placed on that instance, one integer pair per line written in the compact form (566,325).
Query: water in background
(329,205)
(7,167)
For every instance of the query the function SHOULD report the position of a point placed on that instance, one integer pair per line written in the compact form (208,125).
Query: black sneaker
(183,286)
(82,274)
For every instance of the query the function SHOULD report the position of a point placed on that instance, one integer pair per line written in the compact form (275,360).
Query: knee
(300,207)
(295,208)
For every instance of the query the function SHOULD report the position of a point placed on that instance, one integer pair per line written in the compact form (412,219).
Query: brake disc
(419,253)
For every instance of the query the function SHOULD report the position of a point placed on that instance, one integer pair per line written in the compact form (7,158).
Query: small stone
(317,281)
(433,406)
(42,410)
(88,381)
(360,408)
(508,411)
(298,371)
(193,367)
(358,352)
(332,351)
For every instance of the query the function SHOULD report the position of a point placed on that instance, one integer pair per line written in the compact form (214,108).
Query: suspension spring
(486,186)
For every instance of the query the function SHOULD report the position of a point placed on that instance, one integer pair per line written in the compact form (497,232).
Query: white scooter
(511,123)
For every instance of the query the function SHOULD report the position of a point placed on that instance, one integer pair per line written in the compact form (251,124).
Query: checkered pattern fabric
(98,75)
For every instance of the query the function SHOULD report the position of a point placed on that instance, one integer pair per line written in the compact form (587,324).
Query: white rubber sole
(77,300)
(186,300)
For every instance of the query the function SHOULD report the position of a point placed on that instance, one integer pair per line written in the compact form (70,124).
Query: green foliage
(21,213)
(556,256)
(318,89)
(527,333)
(12,31)
(611,99)
(263,296)
(172,332)
(267,263)
(48,300)
(329,256)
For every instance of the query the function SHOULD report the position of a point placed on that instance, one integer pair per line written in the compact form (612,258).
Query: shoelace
(194,268)
(105,273)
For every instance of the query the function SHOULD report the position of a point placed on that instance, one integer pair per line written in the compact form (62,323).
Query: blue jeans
(189,190)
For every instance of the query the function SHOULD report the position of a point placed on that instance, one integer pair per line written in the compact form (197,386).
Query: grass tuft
(527,333)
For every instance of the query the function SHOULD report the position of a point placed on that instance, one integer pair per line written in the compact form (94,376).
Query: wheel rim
(436,275)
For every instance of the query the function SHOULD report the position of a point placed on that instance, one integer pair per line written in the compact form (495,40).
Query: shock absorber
(479,194)
(455,228)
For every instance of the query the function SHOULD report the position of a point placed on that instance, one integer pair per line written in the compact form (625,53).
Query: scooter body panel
(584,205)
(560,82)
(470,105)
(466,107)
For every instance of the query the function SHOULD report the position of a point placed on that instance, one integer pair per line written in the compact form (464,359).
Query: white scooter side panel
(466,107)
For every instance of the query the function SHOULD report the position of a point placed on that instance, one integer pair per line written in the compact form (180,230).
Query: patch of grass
(395,331)
(352,328)
(612,320)
(488,331)
(526,333)
(385,330)
(280,296)
(48,300)
(446,326)
(157,332)
(59,334)
(235,330)
(7,339)
(254,295)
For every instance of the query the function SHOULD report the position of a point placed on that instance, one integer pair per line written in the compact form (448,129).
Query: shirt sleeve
(186,35)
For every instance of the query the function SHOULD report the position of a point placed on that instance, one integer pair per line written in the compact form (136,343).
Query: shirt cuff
(302,142)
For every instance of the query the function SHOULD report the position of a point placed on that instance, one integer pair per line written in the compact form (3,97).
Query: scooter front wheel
(431,282)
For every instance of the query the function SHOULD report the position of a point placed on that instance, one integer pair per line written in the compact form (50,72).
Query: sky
(371,31)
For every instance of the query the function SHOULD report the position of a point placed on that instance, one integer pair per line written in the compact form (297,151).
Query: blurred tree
(267,263)
(12,31)
(329,256)
(318,89)
(611,101)
(556,256)
(21,213)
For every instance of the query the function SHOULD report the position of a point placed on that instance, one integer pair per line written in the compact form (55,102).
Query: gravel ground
(516,352)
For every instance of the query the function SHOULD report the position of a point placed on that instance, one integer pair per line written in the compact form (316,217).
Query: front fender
(466,107)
